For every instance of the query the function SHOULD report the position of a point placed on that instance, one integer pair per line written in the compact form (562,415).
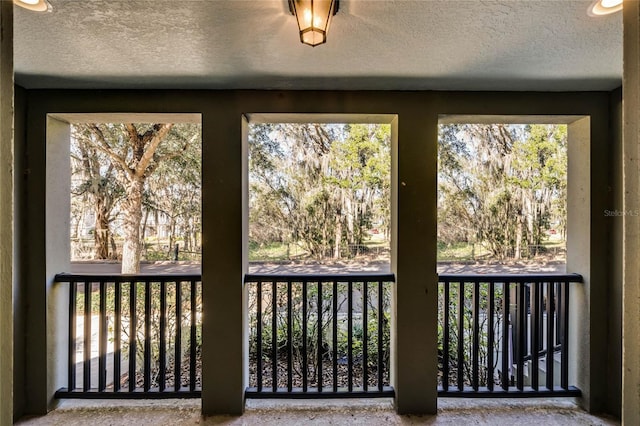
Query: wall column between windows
(414,262)
(579,254)
(57,247)
(6,213)
(224,362)
(631,205)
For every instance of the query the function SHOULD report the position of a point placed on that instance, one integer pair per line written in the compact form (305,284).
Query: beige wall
(614,361)
(19,291)
(6,213)
(579,259)
(631,203)
(415,360)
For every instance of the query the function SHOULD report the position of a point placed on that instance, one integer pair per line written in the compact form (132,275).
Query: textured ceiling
(406,45)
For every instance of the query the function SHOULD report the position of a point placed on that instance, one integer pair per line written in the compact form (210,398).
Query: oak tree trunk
(338,236)
(101,232)
(132,218)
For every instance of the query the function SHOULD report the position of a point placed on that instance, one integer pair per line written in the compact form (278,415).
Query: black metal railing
(319,336)
(133,336)
(504,335)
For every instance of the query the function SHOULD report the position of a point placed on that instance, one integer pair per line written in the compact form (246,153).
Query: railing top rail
(138,278)
(250,278)
(510,278)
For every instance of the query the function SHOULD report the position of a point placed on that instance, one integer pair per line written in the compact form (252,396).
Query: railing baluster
(476,335)
(163,337)
(564,365)
(460,353)
(521,332)
(319,338)
(71,376)
(365,336)
(87,337)
(289,337)
(490,334)
(117,335)
(305,358)
(274,336)
(193,338)
(177,355)
(259,335)
(445,338)
(132,334)
(505,335)
(535,334)
(350,335)
(381,330)
(335,336)
(550,339)
(558,303)
(147,336)
(540,316)
(102,333)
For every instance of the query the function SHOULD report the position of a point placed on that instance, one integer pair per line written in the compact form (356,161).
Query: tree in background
(174,190)
(501,185)
(360,168)
(133,153)
(318,185)
(96,184)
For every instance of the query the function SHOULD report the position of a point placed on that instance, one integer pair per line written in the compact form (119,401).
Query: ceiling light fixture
(34,5)
(314,17)
(604,7)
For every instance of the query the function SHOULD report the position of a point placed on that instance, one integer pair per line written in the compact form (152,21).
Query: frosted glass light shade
(604,7)
(314,18)
(34,5)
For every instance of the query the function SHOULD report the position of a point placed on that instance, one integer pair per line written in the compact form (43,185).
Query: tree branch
(158,160)
(103,146)
(158,136)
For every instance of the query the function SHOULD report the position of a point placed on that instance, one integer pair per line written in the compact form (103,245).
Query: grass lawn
(277,251)
(462,251)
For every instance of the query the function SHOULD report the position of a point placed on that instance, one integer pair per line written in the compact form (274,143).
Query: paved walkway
(168,267)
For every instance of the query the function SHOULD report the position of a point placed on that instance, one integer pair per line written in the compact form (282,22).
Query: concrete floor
(320,412)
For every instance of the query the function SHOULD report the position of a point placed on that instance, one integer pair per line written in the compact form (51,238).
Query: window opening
(319,197)
(502,209)
(135,193)
(135,209)
(502,192)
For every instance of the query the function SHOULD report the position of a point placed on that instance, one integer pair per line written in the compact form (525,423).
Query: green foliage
(103,158)
(467,331)
(275,251)
(320,185)
(312,321)
(503,186)
(461,251)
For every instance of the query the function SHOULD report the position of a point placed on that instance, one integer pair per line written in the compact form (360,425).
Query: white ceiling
(372,44)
